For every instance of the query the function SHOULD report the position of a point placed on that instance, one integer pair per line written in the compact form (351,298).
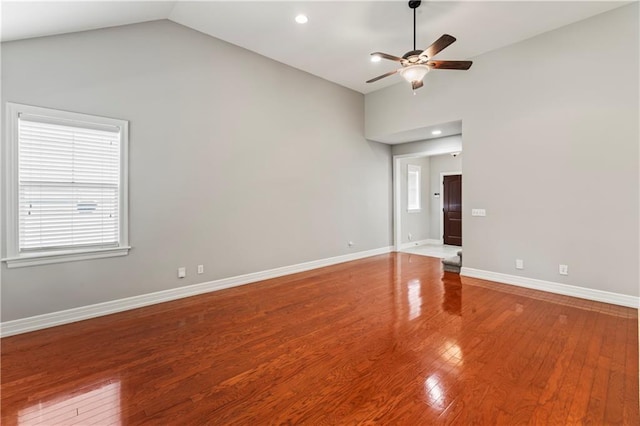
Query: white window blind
(68,184)
(413,187)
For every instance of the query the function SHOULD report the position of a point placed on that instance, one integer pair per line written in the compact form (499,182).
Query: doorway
(428,238)
(452,209)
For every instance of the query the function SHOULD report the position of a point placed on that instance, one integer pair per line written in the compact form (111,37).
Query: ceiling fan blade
(387,56)
(417,84)
(439,45)
(382,76)
(450,65)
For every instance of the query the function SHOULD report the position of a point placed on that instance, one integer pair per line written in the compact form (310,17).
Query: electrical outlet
(519,264)
(563,269)
(201,269)
(182,272)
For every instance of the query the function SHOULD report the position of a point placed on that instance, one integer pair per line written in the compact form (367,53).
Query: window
(413,188)
(67,186)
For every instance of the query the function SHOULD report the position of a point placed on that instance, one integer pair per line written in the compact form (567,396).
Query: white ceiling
(336,42)
(26,19)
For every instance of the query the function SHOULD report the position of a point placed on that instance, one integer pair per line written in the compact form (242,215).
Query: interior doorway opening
(438,208)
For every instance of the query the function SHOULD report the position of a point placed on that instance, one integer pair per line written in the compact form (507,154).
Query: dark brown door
(452,210)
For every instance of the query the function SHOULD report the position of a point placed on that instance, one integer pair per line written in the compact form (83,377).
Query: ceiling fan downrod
(414,5)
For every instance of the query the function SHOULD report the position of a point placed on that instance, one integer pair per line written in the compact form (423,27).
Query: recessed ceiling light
(302,19)
(375,58)
(436,132)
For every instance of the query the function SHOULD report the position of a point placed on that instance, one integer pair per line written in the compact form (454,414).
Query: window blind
(68,184)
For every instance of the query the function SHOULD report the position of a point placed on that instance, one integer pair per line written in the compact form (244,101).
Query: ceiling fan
(417,63)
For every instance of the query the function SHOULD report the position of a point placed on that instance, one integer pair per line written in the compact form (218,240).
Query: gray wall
(414,223)
(440,164)
(429,147)
(237,162)
(551,136)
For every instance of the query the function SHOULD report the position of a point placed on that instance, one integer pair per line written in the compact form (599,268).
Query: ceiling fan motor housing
(411,53)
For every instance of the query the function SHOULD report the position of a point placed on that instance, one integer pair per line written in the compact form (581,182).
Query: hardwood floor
(389,339)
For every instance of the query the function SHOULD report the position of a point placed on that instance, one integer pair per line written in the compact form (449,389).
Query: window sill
(64,256)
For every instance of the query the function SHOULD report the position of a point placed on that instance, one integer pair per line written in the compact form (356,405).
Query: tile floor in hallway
(434,250)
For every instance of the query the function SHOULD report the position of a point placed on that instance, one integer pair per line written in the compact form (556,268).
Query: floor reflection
(434,392)
(452,353)
(414,296)
(452,300)
(100,406)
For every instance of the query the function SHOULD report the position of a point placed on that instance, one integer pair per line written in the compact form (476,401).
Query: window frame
(418,170)
(14,258)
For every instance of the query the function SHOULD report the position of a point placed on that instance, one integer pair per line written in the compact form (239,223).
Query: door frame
(441,211)
(397,186)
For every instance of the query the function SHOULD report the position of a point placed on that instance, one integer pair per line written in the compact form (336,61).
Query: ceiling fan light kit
(417,63)
(414,72)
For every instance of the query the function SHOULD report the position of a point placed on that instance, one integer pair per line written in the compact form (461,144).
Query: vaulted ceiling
(336,41)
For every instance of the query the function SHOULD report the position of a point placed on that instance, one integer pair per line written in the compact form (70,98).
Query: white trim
(418,243)
(24,325)
(397,210)
(64,256)
(417,170)
(441,211)
(11,180)
(552,287)
(124,184)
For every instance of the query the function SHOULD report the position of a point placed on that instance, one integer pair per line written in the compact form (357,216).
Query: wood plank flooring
(388,340)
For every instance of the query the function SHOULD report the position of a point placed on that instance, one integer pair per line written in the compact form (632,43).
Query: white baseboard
(552,287)
(418,243)
(24,325)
